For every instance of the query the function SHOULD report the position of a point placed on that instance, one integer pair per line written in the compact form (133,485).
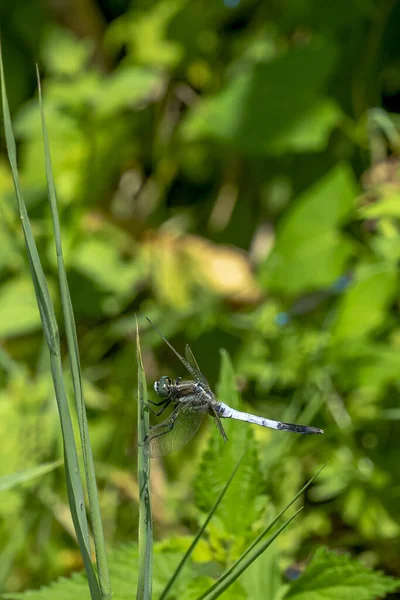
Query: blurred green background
(229,169)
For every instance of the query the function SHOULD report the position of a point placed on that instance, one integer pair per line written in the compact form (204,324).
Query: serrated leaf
(331,576)
(262,579)
(124,576)
(221,458)
(199,534)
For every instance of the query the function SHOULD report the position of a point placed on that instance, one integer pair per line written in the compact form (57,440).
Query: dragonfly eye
(163,386)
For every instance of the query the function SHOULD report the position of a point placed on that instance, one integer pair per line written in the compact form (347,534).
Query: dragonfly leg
(167,428)
(218,423)
(154,412)
(164,427)
(159,403)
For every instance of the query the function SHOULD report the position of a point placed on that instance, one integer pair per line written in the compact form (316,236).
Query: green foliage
(221,458)
(232,172)
(331,576)
(238,115)
(364,306)
(310,252)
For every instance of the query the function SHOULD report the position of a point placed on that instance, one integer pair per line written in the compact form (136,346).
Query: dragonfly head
(163,386)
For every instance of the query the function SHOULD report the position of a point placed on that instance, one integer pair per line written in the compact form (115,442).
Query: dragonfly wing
(177,430)
(218,422)
(192,370)
(191,359)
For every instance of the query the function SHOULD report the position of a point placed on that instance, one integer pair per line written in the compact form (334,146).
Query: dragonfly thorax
(163,387)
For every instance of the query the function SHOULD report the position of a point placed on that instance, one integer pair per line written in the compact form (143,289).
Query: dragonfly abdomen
(227,412)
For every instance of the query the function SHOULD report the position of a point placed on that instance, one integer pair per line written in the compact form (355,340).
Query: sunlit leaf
(330,576)
(363,307)
(259,106)
(310,251)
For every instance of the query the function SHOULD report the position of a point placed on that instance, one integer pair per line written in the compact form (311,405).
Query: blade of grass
(226,580)
(145,519)
(50,329)
(74,360)
(258,539)
(199,533)
(7,482)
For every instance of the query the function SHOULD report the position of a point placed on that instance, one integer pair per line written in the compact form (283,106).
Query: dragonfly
(191,400)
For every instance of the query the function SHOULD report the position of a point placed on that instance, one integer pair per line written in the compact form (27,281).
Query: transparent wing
(177,430)
(189,366)
(191,359)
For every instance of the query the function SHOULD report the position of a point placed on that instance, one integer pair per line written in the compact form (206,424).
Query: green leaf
(126,88)
(310,252)
(331,576)
(64,53)
(18,308)
(384,207)
(262,579)
(124,575)
(221,458)
(7,482)
(101,262)
(199,534)
(243,563)
(257,109)
(256,548)
(364,305)
(311,130)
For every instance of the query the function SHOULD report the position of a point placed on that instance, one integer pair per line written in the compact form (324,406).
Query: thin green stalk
(145,519)
(74,360)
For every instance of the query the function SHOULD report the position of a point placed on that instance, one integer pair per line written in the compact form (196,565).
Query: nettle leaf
(124,578)
(258,109)
(310,252)
(363,307)
(199,585)
(220,458)
(330,576)
(262,579)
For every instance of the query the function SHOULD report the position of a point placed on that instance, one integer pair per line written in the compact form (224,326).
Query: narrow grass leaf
(50,329)
(258,539)
(7,482)
(74,360)
(275,520)
(199,534)
(240,566)
(145,520)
